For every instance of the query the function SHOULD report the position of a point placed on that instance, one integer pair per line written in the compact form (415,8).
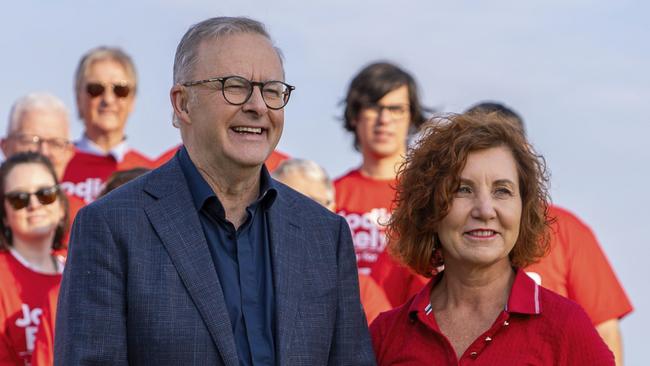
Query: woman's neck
(38,255)
(484,288)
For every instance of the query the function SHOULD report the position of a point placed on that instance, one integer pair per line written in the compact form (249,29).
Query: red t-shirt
(27,300)
(272,161)
(86,173)
(373,298)
(366,204)
(577,268)
(537,327)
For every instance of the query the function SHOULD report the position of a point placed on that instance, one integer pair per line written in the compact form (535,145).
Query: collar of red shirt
(523,299)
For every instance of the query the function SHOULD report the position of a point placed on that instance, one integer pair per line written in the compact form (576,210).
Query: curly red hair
(430,175)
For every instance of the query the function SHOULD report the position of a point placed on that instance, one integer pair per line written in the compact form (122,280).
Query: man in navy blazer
(208,260)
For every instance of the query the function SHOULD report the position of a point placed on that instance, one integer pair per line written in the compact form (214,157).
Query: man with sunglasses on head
(105,85)
(39,122)
(208,260)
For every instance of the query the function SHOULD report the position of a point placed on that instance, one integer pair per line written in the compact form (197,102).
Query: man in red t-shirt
(310,179)
(576,266)
(382,110)
(39,122)
(105,85)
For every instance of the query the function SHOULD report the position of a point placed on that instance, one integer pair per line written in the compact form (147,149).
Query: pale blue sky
(577,71)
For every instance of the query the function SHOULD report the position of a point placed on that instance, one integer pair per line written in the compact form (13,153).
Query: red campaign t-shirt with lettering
(27,299)
(86,173)
(366,204)
(272,161)
(577,268)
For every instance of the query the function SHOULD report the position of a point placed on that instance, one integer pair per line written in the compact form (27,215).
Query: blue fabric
(242,259)
(140,286)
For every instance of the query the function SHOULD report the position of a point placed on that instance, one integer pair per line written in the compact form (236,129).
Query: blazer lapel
(287,243)
(176,221)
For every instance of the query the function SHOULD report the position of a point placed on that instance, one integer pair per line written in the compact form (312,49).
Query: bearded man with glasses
(208,260)
(105,86)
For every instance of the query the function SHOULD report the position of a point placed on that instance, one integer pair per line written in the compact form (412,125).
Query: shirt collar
(84,144)
(201,190)
(523,298)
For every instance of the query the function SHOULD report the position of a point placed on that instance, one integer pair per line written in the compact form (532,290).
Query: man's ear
(180,100)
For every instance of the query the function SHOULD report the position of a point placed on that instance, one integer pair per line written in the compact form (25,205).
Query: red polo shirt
(537,327)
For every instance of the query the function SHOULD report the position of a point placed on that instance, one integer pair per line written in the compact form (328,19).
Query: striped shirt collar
(523,298)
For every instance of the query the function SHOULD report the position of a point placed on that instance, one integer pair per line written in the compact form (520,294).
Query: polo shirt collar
(117,152)
(523,298)
(201,190)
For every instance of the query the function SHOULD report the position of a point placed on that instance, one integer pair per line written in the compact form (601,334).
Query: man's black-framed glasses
(237,90)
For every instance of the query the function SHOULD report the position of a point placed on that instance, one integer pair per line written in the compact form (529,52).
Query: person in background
(382,109)
(105,86)
(39,122)
(33,218)
(310,179)
(472,199)
(120,178)
(576,266)
(271,163)
(208,260)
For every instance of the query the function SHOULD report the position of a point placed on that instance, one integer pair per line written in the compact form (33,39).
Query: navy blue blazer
(140,287)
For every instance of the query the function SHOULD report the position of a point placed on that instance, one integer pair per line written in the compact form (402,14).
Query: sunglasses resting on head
(19,200)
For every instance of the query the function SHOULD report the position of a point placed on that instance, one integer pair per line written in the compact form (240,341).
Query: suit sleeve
(91,315)
(351,344)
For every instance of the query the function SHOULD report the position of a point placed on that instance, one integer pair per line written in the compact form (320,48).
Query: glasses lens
(46,195)
(397,111)
(121,91)
(276,94)
(17,200)
(236,90)
(95,89)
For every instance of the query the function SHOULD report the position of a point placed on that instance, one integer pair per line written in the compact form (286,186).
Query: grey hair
(213,28)
(307,169)
(100,54)
(34,101)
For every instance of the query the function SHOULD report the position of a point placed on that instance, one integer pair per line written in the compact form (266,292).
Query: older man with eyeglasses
(208,260)
(39,122)
(105,86)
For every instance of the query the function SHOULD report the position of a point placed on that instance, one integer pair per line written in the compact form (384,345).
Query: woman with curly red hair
(471,211)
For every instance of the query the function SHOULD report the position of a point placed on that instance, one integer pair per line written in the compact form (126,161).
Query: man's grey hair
(102,53)
(34,102)
(307,169)
(213,28)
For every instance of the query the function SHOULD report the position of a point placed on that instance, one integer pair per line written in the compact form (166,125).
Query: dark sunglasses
(20,200)
(97,89)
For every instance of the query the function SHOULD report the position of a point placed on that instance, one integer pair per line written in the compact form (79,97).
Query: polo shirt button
(473,355)
(488,339)
(505,323)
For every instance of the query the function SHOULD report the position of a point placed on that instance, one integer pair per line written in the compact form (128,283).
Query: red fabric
(538,327)
(577,268)
(399,282)
(272,162)
(24,292)
(86,173)
(373,299)
(366,204)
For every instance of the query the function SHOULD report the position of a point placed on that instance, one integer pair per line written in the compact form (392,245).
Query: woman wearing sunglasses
(471,211)
(33,217)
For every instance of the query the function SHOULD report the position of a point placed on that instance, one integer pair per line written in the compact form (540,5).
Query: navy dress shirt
(242,258)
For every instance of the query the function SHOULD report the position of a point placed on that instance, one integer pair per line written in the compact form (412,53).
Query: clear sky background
(577,71)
